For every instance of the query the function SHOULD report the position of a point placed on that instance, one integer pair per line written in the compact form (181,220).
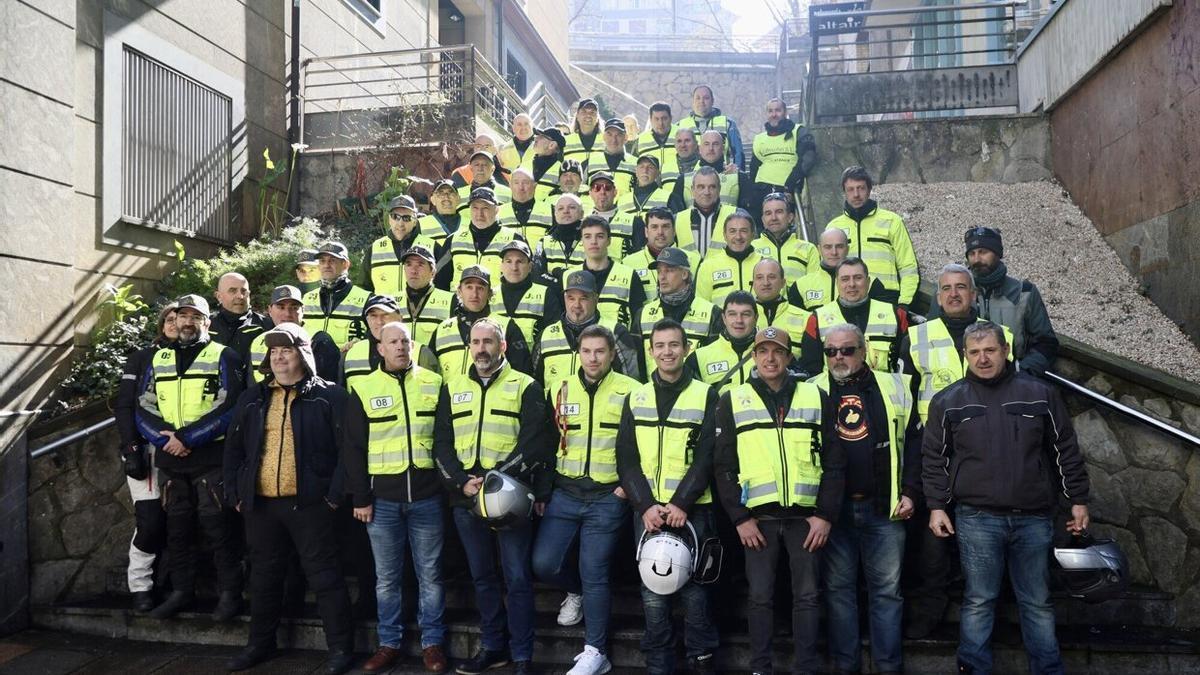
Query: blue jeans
(987,543)
(877,543)
(393,527)
(480,543)
(596,525)
(700,630)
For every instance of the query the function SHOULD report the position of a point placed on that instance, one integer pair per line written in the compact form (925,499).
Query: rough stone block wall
(1000,149)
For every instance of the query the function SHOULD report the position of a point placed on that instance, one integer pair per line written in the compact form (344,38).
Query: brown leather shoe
(435,659)
(383,659)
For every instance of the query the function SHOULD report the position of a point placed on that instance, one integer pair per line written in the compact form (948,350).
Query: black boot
(228,606)
(339,661)
(143,601)
(249,657)
(176,602)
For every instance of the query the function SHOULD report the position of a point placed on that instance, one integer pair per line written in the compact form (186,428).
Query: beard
(840,372)
(982,269)
(189,336)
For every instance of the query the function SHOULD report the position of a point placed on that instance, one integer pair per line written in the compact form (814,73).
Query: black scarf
(993,279)
(784,127)
(860,214)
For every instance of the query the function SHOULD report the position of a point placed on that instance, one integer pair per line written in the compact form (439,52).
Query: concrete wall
(1125,144)
(1053,60)
(1146,495)
(1007,149)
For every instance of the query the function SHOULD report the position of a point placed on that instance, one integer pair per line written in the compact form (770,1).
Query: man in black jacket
(142,476)
(185,399)
(235,324)
(281,472)
(1000,446)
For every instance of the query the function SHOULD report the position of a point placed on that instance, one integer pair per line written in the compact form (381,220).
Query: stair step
(1096,650)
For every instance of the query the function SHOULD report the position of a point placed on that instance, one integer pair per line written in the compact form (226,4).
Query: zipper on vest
(408,435)
(479,428)
(587,458)
(785,497)
(658,467)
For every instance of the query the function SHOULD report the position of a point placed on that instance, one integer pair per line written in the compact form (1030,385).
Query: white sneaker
(590,662)
(570,612)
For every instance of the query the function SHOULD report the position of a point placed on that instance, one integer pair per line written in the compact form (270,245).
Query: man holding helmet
(498,425)
(664,457)
(581,497)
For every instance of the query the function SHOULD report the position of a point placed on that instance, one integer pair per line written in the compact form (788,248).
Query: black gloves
(137,465)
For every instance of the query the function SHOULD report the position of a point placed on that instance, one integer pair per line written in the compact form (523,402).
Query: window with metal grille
(176,150)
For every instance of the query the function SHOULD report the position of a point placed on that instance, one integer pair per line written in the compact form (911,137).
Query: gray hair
(955,268)
(489,322)
(981,329)
(739,213)
(847,328)
(706,171)
(686,130)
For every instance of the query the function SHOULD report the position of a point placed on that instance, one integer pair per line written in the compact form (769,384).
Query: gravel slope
(1089,293)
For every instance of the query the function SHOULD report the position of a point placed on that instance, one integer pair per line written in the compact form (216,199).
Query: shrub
(96,375)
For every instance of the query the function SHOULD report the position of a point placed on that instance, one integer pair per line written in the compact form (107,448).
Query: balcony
(410,97)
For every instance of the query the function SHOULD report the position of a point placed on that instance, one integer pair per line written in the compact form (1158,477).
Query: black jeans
(760,572)
(935,568)
(193,495)
(273,526)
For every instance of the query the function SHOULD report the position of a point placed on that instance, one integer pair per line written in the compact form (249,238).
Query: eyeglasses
(844,351)
(402,217)
(602,187)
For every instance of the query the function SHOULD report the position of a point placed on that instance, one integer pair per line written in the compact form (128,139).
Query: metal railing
(72,437)
(667,42)
(405,97)
(542,107)
(940,59)
(1123,409)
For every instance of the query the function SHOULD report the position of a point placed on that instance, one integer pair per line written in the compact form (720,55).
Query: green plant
(121,303)
(271,211)
(96,374)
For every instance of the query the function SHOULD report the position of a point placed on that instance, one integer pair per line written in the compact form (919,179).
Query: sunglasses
(402,217)
(602,187)
(844,351)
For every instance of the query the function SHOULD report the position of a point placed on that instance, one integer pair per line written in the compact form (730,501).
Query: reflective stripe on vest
(558,360)
(540,220)
(795,255)
(721,274)
(871,240)
(434,311)
(665,445)
(258,352)
(528,312)
(898,405)
(486,420)
(555,255)
(880,332)
(935,358)
(462,253)
(387,272)
(789,317)
(717,359)
(686,239)
(695,325)
(770,454)
(400,418)
(183,399)
(591,423)
(344,323)
(613,299)
(776,156)
(668,161)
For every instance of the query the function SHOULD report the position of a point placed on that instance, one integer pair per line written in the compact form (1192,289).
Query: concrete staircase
(1100,646)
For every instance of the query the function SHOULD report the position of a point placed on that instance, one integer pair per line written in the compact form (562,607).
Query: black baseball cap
(385,302)
(483,153)
(194,302)
(585,102)
(554,135)
(421,251)
(601,175)
(476,272)
(517,245)
(614,123)
(581,280)
(334,248)
(402,202)
(675,257)
(649,158)
(486,194)
(444,184)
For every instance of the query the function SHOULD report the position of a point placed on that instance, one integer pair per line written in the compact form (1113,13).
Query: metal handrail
(71,438)
(1122,408)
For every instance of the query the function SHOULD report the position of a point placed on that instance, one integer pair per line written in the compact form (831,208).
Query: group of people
(583,334)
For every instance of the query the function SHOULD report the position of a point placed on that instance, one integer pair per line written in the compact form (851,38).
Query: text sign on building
(832,19)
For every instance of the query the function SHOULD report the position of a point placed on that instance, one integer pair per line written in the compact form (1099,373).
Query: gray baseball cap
(581,280)
(675,257)
(517,245)
(421,251)
(476,272)
(402,202)
(193,301)
(334,248)
(286,292)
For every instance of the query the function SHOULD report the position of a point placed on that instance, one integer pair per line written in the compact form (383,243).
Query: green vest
(451,350)
(432,227)
(357,362)
(624,176)
(695,325)
(795,255)
(881,332)
(574,148)
(258,352)
(434,309)
(778,463)
(487,420)
(613,300)
(344,323)
(872,241)
(730,188)
(790,318)
(940,365)
(898,405)
(183,399)
(684,238)
(816,288)
(668,161)
(665,445)
(462,253)
(776,156)
(503,194)
(529,311)
(718,359)
(387,272)
(588,424)
(559,360)
(555,257)
(628,202)
(720,274)
(540,220)
(400,417)
(510,157)
(639,261)
(621,228)
(715,123)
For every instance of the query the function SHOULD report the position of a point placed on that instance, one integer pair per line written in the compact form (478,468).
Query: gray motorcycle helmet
(1093,570)
(503,501)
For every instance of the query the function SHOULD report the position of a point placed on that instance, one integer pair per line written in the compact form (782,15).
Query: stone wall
(985,149)
(1146,495)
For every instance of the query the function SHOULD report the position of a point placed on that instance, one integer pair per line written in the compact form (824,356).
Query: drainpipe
(293,204)
(500,60)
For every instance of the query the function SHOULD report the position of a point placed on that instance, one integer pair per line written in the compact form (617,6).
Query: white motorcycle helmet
(667,559)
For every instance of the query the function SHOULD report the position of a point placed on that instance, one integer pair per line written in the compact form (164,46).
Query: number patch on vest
(813,295)
(381,402)
(722,275)
(464,397)
(718,367)
(642,273)
(568,409)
